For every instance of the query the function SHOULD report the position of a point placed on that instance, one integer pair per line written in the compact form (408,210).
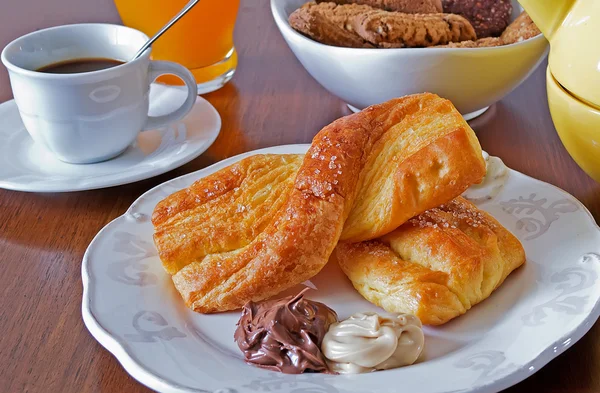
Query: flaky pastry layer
(267,223)
(437,265)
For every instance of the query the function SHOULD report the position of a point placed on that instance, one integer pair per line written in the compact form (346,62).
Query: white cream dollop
(495,177)
(367,342)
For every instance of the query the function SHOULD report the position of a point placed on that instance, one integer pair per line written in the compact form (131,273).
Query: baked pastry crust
(221,260)
(437,265)
(224,211)
(424,160)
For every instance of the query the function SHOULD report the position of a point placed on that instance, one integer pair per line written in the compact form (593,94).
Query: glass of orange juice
(202,40)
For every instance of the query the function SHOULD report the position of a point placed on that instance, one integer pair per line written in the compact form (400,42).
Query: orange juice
(202,40)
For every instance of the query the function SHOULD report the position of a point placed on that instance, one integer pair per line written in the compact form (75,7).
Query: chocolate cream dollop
(285,334)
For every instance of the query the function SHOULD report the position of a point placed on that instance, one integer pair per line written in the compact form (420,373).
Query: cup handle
(158,68)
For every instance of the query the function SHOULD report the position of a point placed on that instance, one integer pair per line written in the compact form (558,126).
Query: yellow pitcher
(573,78)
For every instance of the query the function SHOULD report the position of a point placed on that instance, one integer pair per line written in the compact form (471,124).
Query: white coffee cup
(92,116)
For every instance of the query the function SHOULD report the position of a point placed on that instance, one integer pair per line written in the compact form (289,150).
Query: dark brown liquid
(79,65)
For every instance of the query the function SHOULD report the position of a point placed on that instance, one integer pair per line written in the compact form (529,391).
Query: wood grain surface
(44,345)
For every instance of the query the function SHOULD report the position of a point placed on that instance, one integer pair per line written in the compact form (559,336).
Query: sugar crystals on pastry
(220,257)
(437,265)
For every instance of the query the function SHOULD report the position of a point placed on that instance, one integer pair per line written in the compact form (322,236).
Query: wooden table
(44,345)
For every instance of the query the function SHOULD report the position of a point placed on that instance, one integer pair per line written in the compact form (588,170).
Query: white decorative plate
(131,307)
(25,166)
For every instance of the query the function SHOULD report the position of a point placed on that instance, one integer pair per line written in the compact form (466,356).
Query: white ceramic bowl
(472,79)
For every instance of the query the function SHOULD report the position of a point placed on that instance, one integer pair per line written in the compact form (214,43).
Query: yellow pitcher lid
(573,29)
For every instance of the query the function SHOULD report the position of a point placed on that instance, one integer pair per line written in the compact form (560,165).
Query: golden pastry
(437,265)
(259,227)
(424,160)
(224,211)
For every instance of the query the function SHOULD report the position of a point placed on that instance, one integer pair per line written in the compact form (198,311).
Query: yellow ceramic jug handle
(548,15)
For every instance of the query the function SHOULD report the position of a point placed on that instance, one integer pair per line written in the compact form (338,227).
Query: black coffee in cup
(77,66)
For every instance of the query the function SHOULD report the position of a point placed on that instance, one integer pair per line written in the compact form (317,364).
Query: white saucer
(26,166)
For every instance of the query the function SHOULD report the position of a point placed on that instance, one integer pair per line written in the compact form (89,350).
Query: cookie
(480,43)
(393,29)
(488,17)
(362,26)
(329,24)
(521,29)
(405,6)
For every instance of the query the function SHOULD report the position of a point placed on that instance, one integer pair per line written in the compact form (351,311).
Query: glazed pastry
(224,211)
(372,170)
(359,26)
(420,163)
(368,342)
(488,17)
(285,334)
(405,6)
(437,265)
